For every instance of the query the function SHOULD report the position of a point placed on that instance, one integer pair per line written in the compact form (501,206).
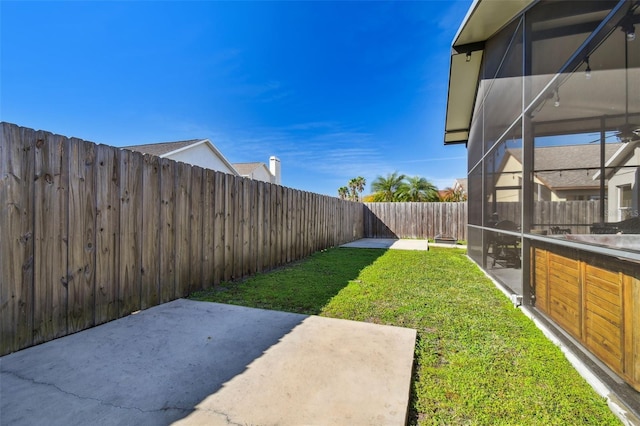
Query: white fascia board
(211,146)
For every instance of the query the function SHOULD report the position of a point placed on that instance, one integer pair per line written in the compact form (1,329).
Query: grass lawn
(478,360)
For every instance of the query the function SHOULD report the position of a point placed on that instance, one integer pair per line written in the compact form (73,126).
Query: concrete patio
(388,243)
(189,362)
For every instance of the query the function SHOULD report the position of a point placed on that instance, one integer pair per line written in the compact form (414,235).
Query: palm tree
(418,189)
(356,186)
(343,192)
(387,189)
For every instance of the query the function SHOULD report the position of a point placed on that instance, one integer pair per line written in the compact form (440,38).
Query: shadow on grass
(303,287)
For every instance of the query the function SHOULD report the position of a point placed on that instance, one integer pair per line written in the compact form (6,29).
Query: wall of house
(203,156)
(261,173)
(628,174)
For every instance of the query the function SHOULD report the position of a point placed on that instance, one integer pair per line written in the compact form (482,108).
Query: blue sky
(335,89)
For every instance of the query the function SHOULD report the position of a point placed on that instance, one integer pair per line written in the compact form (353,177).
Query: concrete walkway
(388,243)
(189,362)
(398,244)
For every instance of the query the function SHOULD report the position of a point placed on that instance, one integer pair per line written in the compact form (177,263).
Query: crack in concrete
(100,401)
(225,415)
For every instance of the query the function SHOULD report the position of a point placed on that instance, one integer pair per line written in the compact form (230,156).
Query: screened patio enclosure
(552,128)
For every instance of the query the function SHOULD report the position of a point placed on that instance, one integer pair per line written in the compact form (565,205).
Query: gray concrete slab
(389,243)
(189,362)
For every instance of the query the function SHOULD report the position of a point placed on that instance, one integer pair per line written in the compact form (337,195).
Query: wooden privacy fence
(415,220)
(575,216)
(90,233)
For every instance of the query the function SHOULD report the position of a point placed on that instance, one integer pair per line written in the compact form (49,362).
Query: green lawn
(478,360)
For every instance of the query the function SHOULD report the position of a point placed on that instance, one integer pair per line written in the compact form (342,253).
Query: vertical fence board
(229,218)
(239,219)
(290,220)
(286,227)
(253,239)
(304,233)
(273,221)
(107,230)
(219,227)
(208,221)
(266,224)
(131,209)
(315,215)
(322,223)
(246,226)
(82,235)
(150,259)
(309,223)
(260,226)
(297,245)
(273,225)
(195,243)
(17,243)
(167,229)
(182,221)
(50,254)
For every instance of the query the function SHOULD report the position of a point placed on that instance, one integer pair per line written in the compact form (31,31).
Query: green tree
(353,190)
(343,192)
(418,189)
(356,186)
(389,188)
(453,195)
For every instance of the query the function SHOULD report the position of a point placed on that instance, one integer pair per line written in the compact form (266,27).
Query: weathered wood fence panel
(150,247)
(50,236)
(17,164)
(576,216)
(90,233)
(415,220)
(131,210)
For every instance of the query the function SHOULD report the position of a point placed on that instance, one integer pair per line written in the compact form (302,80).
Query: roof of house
(245,169)
(165,149)
(552,162)
(162,148)
(484,18)
(461,183)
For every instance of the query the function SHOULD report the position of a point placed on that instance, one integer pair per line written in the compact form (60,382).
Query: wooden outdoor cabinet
(596,299)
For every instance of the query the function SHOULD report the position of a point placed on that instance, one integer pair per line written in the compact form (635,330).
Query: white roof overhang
(483,20)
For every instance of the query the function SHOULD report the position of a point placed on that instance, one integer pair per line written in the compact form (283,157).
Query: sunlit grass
(478,360)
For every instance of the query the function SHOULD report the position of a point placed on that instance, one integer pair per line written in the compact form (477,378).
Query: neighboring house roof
(167,149)
(551,164)
(622,155)
(461,183)
(256,170)
(161,149)
(203,153)
(247,168)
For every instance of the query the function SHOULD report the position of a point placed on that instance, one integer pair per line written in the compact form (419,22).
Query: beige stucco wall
(261,173)
(624,176)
